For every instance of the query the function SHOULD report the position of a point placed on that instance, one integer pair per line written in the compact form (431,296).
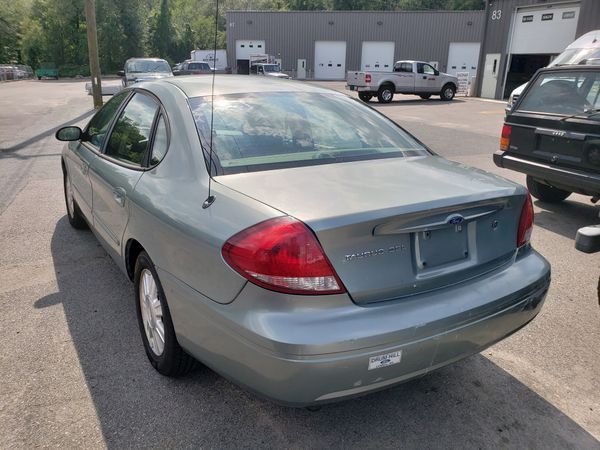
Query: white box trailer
(219,63)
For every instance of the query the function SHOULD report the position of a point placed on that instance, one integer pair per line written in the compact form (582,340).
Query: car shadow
(44,134)
(566,217)
(473,403)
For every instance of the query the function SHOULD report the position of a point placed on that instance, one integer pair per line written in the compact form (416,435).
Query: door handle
(119,196)
(424,77)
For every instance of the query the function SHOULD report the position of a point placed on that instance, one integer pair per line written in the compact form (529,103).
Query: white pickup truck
(408,77)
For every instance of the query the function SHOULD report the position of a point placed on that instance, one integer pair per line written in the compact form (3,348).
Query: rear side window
(96,130)
(564,93)
(129,139)
(161,142)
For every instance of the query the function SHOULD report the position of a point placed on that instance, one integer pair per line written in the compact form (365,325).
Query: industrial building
(510,40)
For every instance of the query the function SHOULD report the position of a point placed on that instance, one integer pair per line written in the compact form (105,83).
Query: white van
(581,51)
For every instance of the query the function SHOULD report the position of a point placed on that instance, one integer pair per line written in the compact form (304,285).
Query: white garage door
(463,57)
(377,56)
(245,48)
(330,60)
(544,30)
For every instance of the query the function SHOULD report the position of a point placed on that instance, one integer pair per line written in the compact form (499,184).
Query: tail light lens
(282,255)
(505,137)
(367,78)
(525,222)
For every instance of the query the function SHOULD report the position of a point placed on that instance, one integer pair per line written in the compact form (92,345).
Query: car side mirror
(121,73)
(588,239)
(436,72)
(69,134)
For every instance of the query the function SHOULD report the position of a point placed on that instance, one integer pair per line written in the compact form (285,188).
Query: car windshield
(148,66)
(265,131)
(576,56)
(271,68)
(564,93)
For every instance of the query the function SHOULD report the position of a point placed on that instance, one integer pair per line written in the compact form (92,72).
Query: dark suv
(552,133)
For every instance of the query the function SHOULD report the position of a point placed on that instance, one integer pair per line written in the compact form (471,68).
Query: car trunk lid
(397,227)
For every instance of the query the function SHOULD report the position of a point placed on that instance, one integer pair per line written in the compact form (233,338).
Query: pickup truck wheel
(365,97)
(448,92)
(425,96)
(544,192)
(385,94)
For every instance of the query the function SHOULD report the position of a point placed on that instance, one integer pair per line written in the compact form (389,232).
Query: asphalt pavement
(74,373)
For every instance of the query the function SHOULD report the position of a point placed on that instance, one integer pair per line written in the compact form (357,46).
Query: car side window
(194,66)
(427,69)
(406,67)
(129,138)
(96,130)
(161,142)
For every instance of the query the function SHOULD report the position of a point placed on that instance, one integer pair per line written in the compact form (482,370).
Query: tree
(161,34)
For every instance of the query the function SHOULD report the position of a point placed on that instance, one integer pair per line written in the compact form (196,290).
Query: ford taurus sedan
(295,240)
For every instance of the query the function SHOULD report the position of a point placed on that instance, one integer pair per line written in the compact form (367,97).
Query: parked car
(408,77)
(144,69)
(269,70)
(334,254)
(192,68)
(47,70)
(552,134)
(583,49)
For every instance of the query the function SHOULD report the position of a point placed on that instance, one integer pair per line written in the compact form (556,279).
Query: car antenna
(211,198)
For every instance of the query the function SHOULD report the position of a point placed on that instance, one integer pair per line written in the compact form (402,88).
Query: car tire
(447,93)
(365,97)
(385,93)
(544,192)
(74,214)
(164,352)
(425,96)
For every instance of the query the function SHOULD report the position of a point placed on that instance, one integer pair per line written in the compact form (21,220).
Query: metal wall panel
(498,31)
(424,35)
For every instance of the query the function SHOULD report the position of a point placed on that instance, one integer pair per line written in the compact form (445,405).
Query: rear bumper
(351,87)
(567,179)
(319,352)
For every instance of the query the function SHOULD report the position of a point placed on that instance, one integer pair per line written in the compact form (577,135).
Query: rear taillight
(525,222)
(282,255)
(505,137)
(367,77)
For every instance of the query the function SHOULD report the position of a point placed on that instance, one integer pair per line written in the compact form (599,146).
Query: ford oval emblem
(456,219)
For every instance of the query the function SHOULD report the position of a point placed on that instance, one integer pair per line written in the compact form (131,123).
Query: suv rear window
(254,132)
(564,93)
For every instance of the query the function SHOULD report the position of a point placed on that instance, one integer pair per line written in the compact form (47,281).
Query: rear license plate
(389,359)
(442,246)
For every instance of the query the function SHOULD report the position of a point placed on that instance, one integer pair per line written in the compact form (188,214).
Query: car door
(405,77)
(426,79)
(85,151)
(115,173)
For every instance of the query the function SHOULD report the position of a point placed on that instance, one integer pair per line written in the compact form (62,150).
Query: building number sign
(496,14)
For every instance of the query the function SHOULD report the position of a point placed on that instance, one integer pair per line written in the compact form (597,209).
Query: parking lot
(74,372)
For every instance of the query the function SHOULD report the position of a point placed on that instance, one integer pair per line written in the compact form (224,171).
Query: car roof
(145,59)
(237,84)
(571,68)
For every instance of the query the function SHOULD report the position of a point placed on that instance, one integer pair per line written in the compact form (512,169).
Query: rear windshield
(265,131)
(148,66)
(564,93)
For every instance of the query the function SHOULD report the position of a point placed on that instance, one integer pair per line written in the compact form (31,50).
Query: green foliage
(32,31)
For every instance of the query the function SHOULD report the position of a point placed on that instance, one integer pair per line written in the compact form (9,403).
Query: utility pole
(92,38)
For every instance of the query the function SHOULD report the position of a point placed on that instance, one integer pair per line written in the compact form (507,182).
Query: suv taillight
(367,77)
(283,255)
(505,137)
(525,222)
